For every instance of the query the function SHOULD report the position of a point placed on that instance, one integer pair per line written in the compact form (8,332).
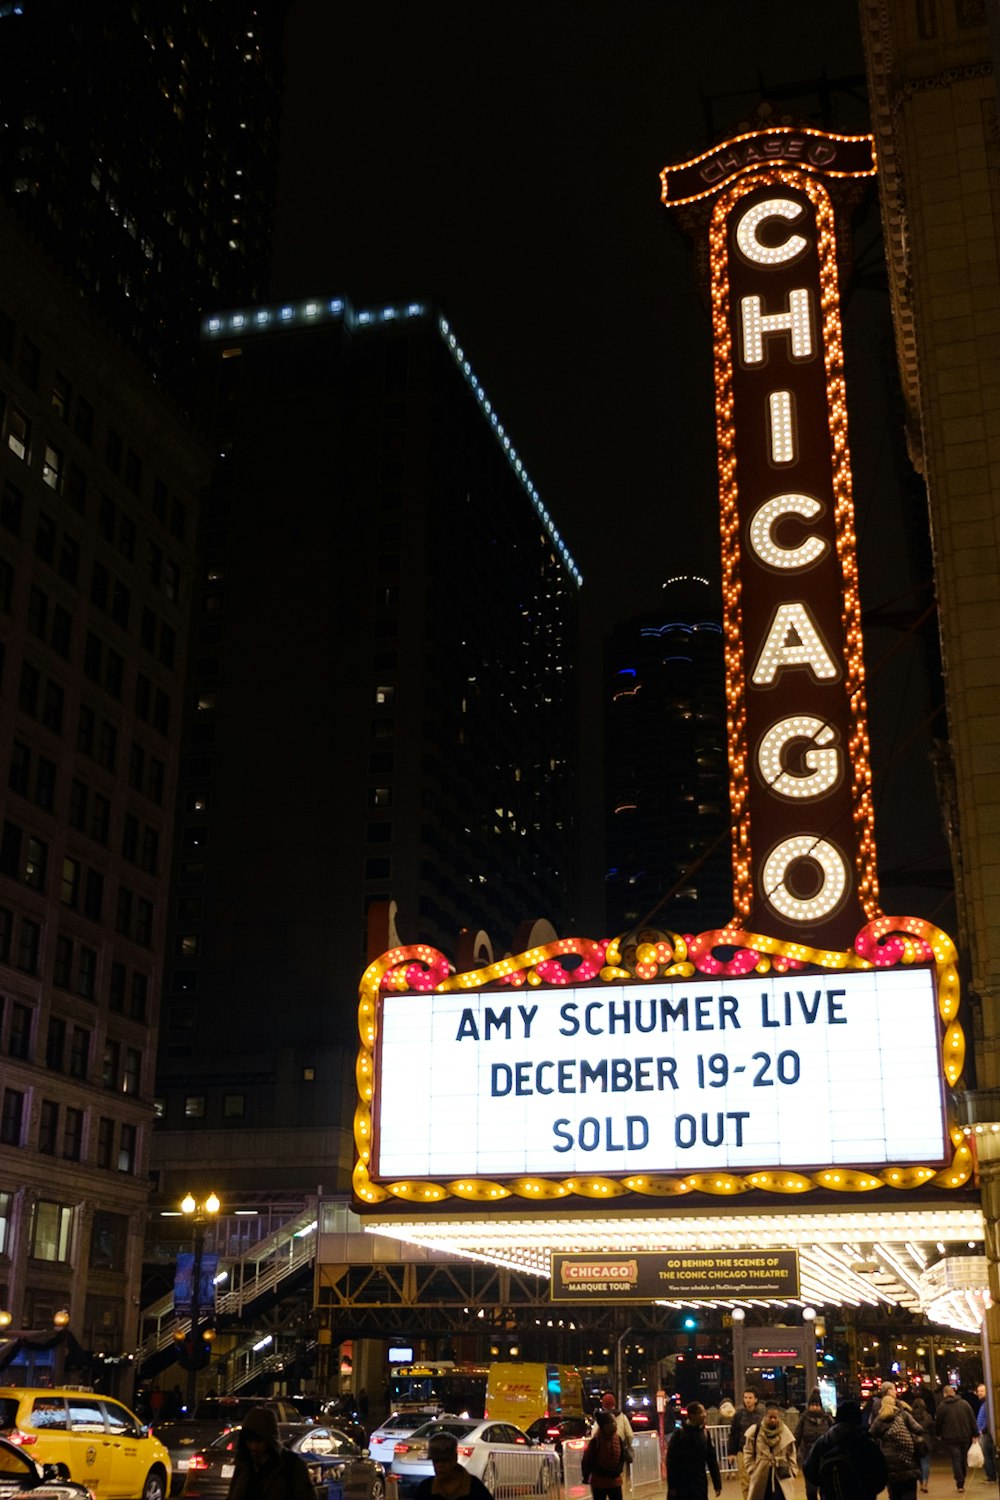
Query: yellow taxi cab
(103,1444)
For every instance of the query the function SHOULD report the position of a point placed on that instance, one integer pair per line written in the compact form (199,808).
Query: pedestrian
(747,1416)
(986,1441)
(263,1469)
(875,1401)
(450,1478)
(810,1428)
(901,1440)
(604,1459)
(845,1464)
(955,1428)
(691,1459)
(769,1451)
(623,1426)
(925,1422)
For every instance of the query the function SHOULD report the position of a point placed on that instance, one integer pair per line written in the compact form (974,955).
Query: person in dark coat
(955,1427)
(747,1416)
(925,1422)
(264,1470)
(900,1437)
(809,1429)
(847,1436)
(604,1459)
(691,1459)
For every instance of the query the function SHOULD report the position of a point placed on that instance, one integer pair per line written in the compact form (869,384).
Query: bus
(450,1387)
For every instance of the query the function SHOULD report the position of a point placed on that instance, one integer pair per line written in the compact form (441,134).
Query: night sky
(505,161)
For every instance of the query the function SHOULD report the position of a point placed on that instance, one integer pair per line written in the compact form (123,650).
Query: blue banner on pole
(184,1284)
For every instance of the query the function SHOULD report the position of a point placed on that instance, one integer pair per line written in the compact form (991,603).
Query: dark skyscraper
(138,145)
(385,684)
(666,767)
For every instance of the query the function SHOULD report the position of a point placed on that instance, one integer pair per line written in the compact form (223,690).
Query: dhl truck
(521,1393)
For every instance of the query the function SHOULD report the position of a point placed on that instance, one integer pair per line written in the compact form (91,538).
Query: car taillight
(552,1432)
(464,1451)
(199,1461)
(401,1448)
(22,1439)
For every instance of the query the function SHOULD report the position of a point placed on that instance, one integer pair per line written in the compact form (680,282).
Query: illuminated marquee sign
(736,1075)
(808,1044)
(803,837)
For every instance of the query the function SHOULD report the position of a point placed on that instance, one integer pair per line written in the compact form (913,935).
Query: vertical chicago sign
(785,1052)
(803,838)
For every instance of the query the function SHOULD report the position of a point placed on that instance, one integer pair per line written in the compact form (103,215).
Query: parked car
(184,1436)
(552,1432)
(19,1473)
(481,1447)
(101,1443)
(401,1424)
(330,1454)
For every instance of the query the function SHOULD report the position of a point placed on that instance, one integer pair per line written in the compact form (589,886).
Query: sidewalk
(940,1487)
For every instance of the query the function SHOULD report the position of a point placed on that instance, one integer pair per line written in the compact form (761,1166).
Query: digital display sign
(801,1070)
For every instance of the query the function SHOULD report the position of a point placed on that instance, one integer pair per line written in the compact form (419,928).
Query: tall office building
(666,767)
(385,689)
(138,144)
(100,481)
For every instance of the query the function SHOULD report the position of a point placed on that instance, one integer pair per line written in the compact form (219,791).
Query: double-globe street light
(201,1213)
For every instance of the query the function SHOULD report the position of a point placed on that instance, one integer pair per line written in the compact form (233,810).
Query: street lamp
(200,1213)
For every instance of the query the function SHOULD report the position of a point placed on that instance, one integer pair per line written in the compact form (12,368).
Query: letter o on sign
(775,873)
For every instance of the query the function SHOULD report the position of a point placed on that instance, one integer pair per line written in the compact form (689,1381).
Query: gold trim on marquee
(652,955)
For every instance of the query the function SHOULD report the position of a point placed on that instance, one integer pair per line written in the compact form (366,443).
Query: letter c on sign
(751,220)
(770,552)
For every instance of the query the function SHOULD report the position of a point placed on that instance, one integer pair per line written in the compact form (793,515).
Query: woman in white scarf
(769,1453)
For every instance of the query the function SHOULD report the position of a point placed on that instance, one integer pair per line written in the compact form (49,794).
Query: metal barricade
(720,1442)
(572,1461)
(510,1476)
(645,1467)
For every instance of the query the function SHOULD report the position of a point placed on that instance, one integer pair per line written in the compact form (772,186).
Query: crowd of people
(883,1444)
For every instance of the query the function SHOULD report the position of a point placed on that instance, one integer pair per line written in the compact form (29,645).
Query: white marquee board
(793,1071)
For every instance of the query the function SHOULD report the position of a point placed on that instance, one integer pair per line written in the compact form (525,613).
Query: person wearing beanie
(623,1427)
(845,1461)
(264,1469)
(810,1428)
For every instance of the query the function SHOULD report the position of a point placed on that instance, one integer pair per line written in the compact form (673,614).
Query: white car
(482,1448)
(400,1424)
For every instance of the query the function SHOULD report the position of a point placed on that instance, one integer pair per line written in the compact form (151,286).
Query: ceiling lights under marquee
(854,1257)
(654,959)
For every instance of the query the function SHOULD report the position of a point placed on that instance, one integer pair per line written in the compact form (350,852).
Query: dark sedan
(330,1454)
(19,1474)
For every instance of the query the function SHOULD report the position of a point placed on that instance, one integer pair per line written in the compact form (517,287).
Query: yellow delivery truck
(521,1393)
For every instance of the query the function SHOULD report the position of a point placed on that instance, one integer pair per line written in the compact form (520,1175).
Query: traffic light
(194,1350)
(690,1323)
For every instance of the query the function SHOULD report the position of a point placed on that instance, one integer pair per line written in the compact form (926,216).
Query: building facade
(139,146)
(933,86)
(386,718)
(101,480)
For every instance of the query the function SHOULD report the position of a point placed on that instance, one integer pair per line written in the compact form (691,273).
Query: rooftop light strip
(302,314)
(510,452)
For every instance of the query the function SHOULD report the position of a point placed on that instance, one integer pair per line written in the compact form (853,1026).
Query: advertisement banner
(652,1276)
